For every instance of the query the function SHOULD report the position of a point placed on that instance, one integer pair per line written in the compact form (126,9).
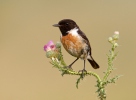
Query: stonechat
(75,42)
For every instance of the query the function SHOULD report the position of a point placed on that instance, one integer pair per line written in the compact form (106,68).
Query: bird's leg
(70,66)
(84,67)
(83,70)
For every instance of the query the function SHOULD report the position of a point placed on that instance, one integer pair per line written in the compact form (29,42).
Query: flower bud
(50,54)
(110,39)
(116,35)
(116,45)
(58,45)
(116,32)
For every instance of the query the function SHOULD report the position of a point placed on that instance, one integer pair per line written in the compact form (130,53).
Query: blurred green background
(26,26)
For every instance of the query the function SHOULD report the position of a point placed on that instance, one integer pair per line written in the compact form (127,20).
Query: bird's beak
(56,25)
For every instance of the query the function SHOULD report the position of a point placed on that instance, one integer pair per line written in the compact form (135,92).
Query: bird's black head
(66,25)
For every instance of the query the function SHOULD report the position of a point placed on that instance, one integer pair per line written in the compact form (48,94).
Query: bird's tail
(93,63)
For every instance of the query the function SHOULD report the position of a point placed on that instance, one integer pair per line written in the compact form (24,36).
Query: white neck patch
(73,31)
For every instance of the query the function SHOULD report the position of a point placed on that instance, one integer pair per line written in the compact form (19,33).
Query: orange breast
(72,44)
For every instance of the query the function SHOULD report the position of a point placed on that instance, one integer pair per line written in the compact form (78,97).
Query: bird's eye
(67,24)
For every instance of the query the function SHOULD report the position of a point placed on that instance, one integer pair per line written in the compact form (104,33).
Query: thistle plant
(53,51)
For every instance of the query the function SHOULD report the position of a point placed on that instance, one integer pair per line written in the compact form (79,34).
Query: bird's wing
(82,34)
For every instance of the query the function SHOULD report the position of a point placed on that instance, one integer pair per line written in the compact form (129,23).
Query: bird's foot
(82,72)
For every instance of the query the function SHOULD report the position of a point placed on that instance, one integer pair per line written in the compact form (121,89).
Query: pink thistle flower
(49,46)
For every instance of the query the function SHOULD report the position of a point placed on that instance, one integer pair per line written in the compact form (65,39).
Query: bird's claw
(82,72)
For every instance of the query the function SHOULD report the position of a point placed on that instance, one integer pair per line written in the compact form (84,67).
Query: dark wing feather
(85,38)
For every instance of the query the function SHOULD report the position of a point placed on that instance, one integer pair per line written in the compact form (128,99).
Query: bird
(75,42)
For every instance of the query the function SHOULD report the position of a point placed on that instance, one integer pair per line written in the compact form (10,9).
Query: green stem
(110,63)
